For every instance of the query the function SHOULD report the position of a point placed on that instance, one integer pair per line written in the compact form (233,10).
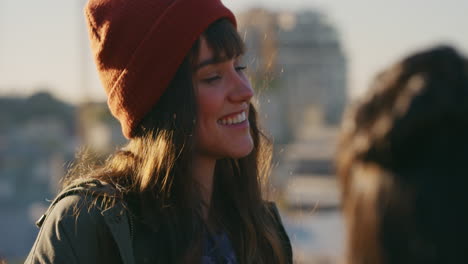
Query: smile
(234,119)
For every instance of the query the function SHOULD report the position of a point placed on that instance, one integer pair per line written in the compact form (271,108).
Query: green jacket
(68,234)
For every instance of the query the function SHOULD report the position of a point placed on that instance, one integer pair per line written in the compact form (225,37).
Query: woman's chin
(241,151)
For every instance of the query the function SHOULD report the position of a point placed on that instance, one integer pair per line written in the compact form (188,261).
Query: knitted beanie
(138,45)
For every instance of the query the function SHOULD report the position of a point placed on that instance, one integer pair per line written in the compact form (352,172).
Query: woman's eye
(241,68)
(218,77)
(212,79)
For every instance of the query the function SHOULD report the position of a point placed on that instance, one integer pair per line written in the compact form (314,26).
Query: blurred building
(39,137)
(298,67)
(299,70)
(36,141)
(98,129)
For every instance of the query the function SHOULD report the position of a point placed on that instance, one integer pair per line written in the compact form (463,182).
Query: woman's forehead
(207,55)
(223,45)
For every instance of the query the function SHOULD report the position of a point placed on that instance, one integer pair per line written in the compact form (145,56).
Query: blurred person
(403,162)
(188,186)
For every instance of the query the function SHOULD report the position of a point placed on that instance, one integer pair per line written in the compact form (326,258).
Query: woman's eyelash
(212,79)
(217,77)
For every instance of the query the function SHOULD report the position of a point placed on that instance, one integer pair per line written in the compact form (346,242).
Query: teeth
(233,120)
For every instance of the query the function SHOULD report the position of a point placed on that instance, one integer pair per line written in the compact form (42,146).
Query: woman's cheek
(210,101)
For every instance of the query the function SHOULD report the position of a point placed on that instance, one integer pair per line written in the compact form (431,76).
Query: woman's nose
(241,89)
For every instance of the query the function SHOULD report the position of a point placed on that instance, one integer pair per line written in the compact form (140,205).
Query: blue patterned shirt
(217,249)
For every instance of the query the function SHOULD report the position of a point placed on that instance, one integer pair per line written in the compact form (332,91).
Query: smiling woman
(223,94)
(188,186)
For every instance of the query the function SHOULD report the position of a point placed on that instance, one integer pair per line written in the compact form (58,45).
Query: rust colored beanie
(138,46)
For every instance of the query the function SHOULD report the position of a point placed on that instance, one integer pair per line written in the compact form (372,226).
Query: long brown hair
(155,168)
(402,164)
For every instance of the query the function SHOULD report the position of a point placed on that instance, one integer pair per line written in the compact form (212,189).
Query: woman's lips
(233,119)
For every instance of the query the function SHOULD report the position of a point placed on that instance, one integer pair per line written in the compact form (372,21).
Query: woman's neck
(203,172)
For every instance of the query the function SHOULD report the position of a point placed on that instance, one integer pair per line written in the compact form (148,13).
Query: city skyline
(40,43)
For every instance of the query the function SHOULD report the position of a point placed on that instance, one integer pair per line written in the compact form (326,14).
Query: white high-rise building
(298,67)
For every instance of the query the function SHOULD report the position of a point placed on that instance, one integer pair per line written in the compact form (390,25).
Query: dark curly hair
(402,161)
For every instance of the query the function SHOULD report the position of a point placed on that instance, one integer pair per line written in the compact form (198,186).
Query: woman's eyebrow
(210,61)
(206,62)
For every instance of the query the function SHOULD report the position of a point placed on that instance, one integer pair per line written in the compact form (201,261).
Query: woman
(403,164)
(188,186)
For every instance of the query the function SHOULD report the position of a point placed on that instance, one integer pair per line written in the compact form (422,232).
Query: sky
(43,44)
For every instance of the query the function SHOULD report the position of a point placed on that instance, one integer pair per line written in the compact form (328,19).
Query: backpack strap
(80,187)
(120,224)
(117,218)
